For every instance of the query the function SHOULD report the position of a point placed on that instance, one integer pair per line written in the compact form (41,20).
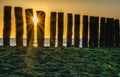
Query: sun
(35,19)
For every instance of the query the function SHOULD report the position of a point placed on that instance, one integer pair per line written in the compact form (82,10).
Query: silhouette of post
(52,29)
(91,41)
(96,27)
(19,26)
(102,32)
(85,31)
(110,32)
(69,29)
(30,27)
(77,31)
(40,28)
(60,28)
(94,24)
(7,26)
(117,30)
(107,33)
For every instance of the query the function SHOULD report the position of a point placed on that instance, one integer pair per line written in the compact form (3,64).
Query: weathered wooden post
(117,30)
(77,30)
(91,41)
(110,32)
(7,25)
(30,27)
(69,29)
(96,27)
(19,26)
(40,28)
(107,33)
(52,29)
(94,24)
(60,28)
(102,31)
(85,31)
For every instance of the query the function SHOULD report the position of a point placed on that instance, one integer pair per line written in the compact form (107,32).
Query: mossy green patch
(59,62)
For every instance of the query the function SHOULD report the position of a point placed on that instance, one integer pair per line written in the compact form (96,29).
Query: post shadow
(7,26)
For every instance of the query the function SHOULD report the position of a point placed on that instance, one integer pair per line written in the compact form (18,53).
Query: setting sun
(35,19)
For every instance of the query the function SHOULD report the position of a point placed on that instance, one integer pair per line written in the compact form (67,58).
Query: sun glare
(35,19)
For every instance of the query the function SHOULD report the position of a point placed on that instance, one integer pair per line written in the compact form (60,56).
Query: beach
(46,43)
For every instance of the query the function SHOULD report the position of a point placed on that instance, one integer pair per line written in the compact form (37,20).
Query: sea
(46,42)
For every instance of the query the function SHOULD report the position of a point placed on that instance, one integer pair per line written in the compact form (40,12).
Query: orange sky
(105,8)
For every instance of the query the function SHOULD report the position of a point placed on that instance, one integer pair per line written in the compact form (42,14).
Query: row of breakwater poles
(96,31)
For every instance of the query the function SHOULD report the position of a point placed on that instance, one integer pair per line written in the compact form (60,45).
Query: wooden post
(30,27)
(77,31)
(107,33)
(69,29)
(102,32)
(19,26)
(117,30)
(94,24)
(110,32)
(91,41)
(52,29)
(96,33)
(40,28)
(85,31)
(60,28)
(7,25)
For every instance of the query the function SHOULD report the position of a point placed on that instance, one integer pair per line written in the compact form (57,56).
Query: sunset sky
(101,8)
